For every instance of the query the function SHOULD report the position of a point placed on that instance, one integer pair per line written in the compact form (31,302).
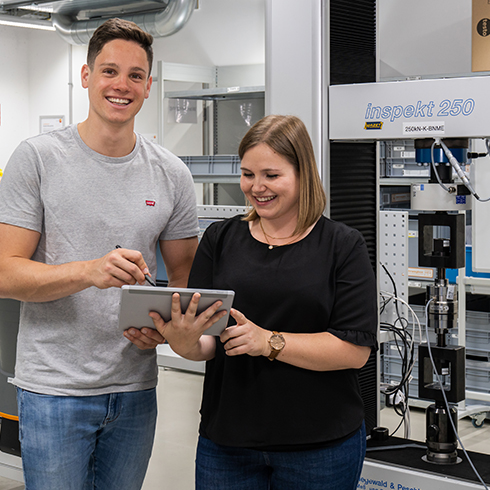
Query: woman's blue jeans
(82,443)
(332,468)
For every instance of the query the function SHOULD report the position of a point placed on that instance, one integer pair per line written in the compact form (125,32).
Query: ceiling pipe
(159,24)
(11,20)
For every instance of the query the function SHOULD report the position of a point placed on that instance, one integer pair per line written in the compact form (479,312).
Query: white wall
(220,32)
(424,38)
(48,77)
(35,66)
(14,90)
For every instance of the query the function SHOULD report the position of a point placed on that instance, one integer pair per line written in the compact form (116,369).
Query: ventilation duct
(159,23)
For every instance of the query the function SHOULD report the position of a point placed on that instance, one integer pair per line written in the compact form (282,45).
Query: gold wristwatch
(277,344)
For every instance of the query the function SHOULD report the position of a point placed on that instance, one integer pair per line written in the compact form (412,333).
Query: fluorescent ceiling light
(7,20)
(38,8)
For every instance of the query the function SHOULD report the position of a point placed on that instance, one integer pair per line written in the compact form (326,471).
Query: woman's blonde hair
(288,137)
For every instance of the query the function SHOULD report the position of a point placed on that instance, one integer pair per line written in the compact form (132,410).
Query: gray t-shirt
(84,204)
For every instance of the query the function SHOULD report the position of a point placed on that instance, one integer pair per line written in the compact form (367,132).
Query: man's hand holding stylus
(118,267)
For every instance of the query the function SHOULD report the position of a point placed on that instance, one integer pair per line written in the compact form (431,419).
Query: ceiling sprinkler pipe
(159,24)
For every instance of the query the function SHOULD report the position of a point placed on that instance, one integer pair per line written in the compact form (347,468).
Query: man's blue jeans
(332,468)
(82,443)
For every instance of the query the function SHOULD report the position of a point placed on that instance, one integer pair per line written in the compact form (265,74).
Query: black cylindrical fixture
(441,438)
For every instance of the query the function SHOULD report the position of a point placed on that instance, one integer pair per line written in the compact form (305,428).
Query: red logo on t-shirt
(150,203)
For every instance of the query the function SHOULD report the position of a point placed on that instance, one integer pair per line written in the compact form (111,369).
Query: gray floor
(6,484)
(179,393)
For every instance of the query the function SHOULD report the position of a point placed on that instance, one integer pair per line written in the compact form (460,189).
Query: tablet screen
(137,301)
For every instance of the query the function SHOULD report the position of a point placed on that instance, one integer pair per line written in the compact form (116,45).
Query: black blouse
(323,283)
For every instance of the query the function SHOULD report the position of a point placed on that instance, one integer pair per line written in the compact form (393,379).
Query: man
(86,395)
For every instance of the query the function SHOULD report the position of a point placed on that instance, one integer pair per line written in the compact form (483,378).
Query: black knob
(432,431)
(379,434)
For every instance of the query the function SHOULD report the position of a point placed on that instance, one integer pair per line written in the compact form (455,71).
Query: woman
(281,405)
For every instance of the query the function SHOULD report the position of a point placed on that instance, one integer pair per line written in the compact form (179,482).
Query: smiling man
(86,395)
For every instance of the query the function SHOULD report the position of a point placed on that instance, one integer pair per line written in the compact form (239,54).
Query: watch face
(277,342)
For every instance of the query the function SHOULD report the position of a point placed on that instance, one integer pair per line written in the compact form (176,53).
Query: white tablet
(137,301)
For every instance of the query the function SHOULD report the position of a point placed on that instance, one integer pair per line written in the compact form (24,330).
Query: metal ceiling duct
(160,23)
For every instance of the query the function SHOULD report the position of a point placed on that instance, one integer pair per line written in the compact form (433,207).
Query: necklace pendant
(271,247)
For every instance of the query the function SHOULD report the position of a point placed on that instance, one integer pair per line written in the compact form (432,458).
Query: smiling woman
(305,299)
(271,183)
(305,315)
(283,140)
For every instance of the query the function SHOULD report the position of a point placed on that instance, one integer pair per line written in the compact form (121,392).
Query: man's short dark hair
(119,29)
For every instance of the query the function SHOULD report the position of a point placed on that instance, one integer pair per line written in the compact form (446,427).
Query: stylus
(147,277)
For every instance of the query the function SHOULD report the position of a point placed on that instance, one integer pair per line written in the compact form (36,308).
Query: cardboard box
(480,35)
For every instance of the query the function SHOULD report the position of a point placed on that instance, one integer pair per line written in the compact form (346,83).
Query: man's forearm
(27,280)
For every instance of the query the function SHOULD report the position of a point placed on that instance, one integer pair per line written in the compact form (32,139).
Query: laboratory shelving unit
(228,112)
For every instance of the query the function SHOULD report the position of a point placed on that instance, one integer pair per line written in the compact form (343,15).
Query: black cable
(402,340)
(404,344)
